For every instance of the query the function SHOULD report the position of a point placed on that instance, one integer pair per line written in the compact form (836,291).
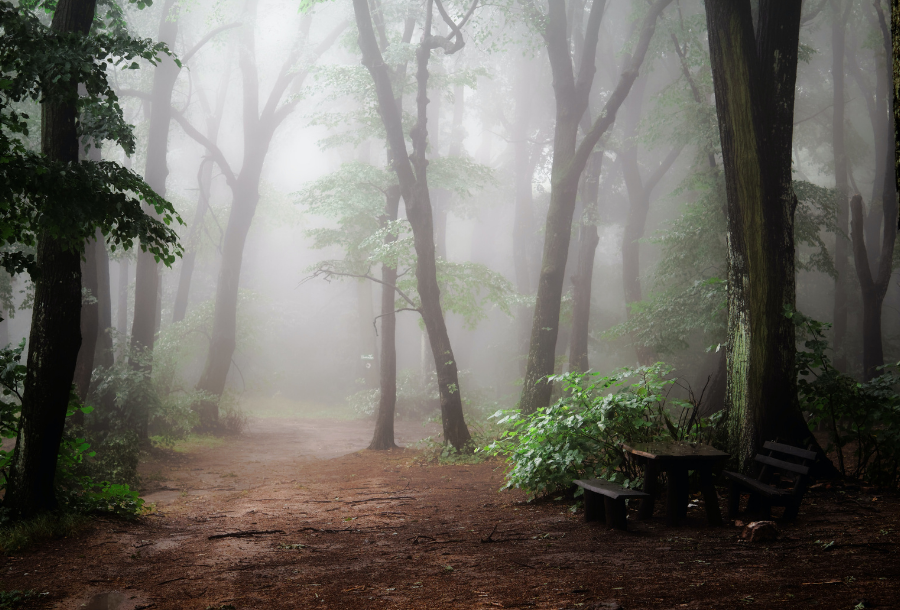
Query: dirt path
(294,515)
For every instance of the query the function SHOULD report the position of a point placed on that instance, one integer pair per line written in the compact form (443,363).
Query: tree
(412,176)
(569,160)
(260,125)
(53,200)
(754,78)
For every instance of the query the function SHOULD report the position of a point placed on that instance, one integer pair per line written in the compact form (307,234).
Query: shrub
(862,419)
(580,436)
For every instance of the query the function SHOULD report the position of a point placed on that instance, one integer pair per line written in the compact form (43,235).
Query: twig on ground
(244,534)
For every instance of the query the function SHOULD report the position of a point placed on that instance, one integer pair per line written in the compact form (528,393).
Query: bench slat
(763,488)
(776,463)
(610,489)
(796,452)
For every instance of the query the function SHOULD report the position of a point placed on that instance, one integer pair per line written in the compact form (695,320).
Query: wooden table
(676,459)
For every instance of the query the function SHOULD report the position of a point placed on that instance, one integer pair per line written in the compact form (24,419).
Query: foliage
(862,419)
(10,600)
(580,436)
(24,533)
(68,201)
(76,489)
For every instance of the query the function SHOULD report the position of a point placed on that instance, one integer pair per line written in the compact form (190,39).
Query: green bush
(862,419)
(76,489)
(580,436)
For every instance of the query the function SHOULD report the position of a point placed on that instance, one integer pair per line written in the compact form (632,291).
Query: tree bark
(569,161)
(754,83)
(895,104)
(841,262)
(55,336)
(103,354)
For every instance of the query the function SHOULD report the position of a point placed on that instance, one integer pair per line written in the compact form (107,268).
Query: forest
(449,304)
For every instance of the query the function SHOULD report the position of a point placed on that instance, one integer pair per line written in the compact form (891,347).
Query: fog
(314,338)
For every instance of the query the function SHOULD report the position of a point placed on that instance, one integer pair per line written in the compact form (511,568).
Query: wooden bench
(611,508)
(764,493)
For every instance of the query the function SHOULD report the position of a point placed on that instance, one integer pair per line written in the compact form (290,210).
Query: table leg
(651,474)
(683,492)
(672,495)
(710,498)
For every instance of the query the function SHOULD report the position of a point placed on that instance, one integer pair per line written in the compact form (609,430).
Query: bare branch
(210,146)
(327,272)
(209,36)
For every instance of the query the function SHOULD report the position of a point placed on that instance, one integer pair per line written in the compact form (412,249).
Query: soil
(295,514)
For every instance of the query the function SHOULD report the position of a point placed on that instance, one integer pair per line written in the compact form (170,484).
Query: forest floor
(295,514)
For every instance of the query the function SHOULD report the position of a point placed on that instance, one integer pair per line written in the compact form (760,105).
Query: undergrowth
(23,534)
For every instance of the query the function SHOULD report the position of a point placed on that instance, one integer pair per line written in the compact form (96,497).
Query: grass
(23,534)
(194,442)
(283,407)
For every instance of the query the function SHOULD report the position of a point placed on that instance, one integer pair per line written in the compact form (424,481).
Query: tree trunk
(569,161)
(55,336)
(103,354)
(754,85)
(90,322)
(383,437)
(122,302)
(367,347)
(582,280)
(146,276)
(841,263)
(895,103)
(414,190)
(204,184)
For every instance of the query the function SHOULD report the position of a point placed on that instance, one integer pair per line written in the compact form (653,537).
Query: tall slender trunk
(55,336)
(146,276)
(841,262)
(569,160)
(383,437)
(523,225)
(103,354)
(122,299)
(416,198)
(204,184)
(367,348)
(90,322)
(895,98)
(754,79)
(582,279)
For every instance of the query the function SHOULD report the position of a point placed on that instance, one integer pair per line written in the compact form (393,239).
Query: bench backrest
(786,460)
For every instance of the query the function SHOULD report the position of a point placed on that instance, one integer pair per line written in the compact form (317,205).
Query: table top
(674,450)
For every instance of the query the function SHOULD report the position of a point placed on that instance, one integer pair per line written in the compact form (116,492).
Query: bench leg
(734,500)
(594,507)
(710,498)
(615,513)
(651,472)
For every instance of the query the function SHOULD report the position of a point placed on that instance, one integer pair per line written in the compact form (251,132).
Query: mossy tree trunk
(754,79)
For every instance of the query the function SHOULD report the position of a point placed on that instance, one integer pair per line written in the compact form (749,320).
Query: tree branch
(323,270)
(392,313)
(660,171)
(607,116)
(209,36)
(210,146)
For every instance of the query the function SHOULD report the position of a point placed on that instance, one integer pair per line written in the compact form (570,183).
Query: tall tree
(874,279)
(754,79)
(61,203)
(412,176)
(260,125)
(569,159)
(841,262)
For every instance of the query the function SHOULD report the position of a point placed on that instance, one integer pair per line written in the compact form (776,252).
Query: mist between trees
(427,209)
